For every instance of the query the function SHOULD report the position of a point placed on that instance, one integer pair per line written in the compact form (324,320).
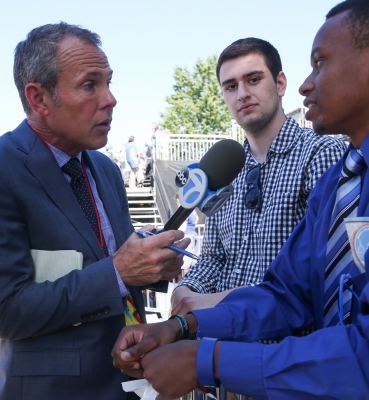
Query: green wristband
(184,326)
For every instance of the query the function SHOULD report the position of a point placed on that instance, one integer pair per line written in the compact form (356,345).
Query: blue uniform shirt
(330,363)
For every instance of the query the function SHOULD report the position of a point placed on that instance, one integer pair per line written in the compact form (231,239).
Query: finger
(162,397)
(183,307)
(148,228)
(177,310)
(126,366)
(169,276)
(184,243)
(164,239)
(134,373)
(175,265)
(135,353)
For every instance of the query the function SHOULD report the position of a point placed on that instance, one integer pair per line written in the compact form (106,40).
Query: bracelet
(205,362)
(184,325)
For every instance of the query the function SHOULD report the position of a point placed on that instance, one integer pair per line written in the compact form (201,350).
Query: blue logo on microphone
(194,190)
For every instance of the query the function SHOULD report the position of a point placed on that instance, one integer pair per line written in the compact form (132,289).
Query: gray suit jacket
(43,355)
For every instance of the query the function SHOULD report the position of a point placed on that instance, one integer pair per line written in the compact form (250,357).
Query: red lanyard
(100,239)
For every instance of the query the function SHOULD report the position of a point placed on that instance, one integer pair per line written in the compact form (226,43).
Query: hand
(142,261)
(185,300)
(171,369)
(135,341)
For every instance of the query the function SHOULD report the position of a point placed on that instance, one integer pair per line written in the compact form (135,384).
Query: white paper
(51,265)
(142,388)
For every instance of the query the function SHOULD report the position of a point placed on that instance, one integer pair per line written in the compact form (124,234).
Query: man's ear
(38,98)
(281,84)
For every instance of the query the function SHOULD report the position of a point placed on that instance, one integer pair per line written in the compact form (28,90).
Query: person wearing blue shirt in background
(133,160)
(332,362)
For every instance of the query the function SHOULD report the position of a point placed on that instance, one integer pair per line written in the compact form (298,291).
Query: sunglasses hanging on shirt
(253,196)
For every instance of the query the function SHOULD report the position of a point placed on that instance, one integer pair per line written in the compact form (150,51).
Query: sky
(145,40)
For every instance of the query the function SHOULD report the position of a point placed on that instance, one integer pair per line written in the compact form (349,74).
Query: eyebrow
(245,76)
(316,50)
(97,73)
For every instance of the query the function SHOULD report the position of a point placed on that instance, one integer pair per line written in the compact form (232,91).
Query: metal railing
(221,394)
(184,147)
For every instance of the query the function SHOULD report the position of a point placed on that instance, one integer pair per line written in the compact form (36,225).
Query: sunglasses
(253,197)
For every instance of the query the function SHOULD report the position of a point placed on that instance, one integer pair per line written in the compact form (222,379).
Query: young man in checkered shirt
(283,163)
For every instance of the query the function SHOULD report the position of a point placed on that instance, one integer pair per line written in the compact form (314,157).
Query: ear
(281,84)
(38,98)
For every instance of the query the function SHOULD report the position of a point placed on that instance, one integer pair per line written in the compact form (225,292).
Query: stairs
(142,207)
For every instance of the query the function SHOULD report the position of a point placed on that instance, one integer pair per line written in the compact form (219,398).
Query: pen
(145,234)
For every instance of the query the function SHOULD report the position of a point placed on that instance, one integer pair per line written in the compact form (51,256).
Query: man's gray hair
(35,58)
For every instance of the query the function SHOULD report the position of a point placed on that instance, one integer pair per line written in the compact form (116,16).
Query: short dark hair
(243,47)
(357,20)
(35,57)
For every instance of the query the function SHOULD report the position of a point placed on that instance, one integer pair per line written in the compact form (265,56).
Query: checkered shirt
(239,244)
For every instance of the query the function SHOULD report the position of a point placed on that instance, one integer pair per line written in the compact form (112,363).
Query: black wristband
(184,326)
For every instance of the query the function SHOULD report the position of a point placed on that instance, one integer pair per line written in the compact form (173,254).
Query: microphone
(207,185)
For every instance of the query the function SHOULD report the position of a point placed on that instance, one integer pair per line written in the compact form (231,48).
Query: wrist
(175,328)
(185,326)
(185,331)
(192,324)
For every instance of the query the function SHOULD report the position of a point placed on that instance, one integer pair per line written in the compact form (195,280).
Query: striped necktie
(339,254)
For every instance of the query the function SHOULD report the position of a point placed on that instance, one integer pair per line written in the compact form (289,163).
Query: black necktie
(81,191)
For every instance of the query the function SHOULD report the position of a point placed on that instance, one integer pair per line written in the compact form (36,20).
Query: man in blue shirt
(333,361)
(133,160)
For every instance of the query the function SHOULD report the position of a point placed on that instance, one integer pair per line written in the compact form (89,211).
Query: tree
(197,103)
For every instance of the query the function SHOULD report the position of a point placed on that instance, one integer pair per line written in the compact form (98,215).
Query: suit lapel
(112,207)
(42,165)
(108,197)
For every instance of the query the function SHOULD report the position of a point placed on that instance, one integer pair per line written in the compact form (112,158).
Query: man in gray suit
(57,330)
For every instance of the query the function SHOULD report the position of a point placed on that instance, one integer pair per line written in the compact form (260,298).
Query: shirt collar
(364,149)
(61,157)
(287,136)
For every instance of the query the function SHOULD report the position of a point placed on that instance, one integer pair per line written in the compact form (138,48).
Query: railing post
(222,393)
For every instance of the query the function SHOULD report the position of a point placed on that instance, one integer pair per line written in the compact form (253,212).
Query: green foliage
(197,103)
